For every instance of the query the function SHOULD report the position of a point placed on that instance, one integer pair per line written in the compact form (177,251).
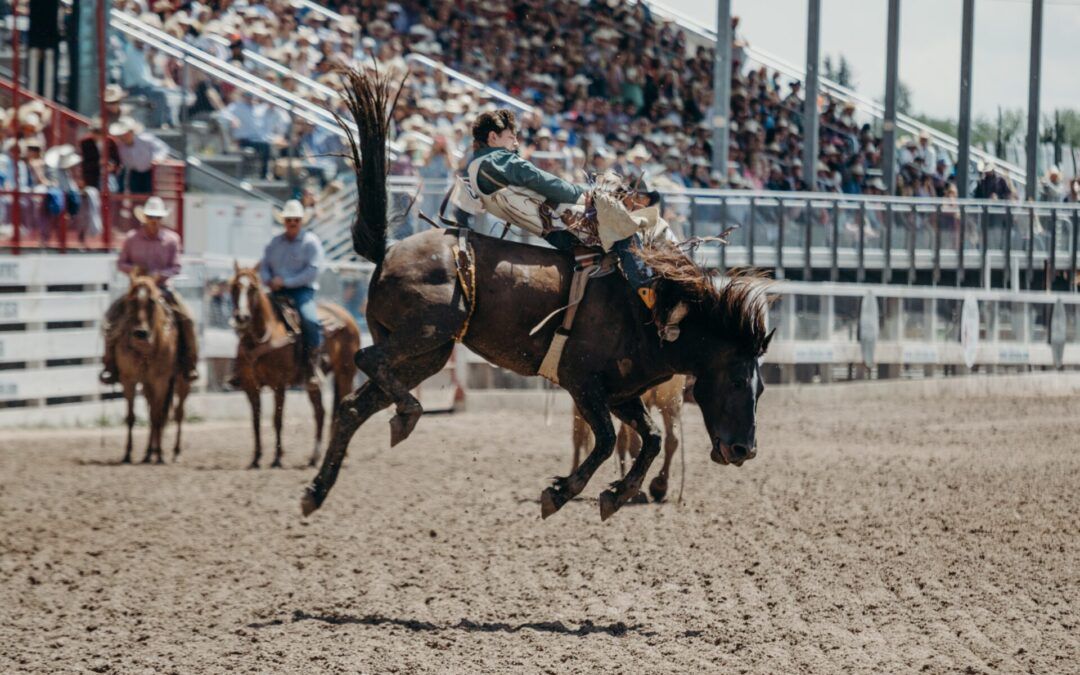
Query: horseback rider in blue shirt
(290,266)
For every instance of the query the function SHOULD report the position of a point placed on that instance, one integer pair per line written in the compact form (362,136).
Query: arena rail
(834,237)
(50,342)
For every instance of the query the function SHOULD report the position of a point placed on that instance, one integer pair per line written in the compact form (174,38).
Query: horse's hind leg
(383,361)
(580,437)
(315,395)
(633,413)
(355,409)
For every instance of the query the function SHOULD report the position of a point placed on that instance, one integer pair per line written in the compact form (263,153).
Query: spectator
(253,126)
(1051,188)
(992,185)
(138,151)
(90,150)
(138,77)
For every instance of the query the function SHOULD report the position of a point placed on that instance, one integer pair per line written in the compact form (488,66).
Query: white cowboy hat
(62,157)
(114,93)
(639,151)
(293,209)
(153,208)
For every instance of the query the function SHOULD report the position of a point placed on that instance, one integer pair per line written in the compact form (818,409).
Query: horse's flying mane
(735,307)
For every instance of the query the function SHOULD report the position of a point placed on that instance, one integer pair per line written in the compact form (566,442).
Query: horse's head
(721,340)
(143,311)
(245,289)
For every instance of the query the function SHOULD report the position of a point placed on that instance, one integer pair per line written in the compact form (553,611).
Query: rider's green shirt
(502,168)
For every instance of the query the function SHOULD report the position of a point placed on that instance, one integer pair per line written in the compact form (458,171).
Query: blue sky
(929,46)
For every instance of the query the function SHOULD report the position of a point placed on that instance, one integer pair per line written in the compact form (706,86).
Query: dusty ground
(869,537)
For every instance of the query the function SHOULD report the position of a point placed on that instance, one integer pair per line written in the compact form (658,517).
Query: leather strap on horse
(464,261)
(549,368)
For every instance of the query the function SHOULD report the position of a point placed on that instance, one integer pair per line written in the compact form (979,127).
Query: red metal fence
(48,219)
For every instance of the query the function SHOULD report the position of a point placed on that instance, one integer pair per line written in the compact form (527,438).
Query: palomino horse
(438,286)
(146,341)
(666,398)
(266,357)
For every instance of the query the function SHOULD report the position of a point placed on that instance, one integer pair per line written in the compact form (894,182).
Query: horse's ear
(670,330)
(768,339)
(236,266)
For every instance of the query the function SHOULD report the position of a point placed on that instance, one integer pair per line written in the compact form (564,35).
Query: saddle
(290,316)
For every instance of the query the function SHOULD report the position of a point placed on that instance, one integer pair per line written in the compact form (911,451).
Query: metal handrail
(905,122)
(238,77)
(471,82)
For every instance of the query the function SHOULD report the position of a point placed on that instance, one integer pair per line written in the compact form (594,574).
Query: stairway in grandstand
(868,107)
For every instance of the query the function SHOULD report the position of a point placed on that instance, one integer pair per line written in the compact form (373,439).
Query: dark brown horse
(418,306)
(146,341)
(266,357)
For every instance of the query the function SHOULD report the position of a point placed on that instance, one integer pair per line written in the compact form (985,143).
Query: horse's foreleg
(279,410)
(156,403)
(355,409)
(591,402)
(634,414)
(129,394)
(659,485)
(256,423)
(320,415)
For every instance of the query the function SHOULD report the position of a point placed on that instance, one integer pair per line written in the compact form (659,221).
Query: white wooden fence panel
(46,270)
(80,343)
(49,382)
(41,307)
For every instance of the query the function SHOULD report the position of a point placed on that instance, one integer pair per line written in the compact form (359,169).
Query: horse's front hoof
(550,502)
(276,464)
(308,503)
(658,489)
(253,465)
(609,504)
(126,460)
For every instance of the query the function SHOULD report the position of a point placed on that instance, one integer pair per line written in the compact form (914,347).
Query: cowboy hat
(125,124)
(62,157)
(114,93)
(639,152)
(153,208)
(292,209)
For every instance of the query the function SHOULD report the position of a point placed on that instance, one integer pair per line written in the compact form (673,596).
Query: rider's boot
(641,276)
(188,356)
(312,373)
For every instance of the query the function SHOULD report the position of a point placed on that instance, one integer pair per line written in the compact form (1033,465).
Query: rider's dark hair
(495,120)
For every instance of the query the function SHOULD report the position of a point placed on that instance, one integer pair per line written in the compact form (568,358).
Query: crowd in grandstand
(604,85)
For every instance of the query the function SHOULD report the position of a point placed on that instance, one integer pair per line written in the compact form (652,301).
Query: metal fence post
(750,235)
(886,270)
(1072,257)
(984,245)
(808,234)
(780,242)
(1051,269)
(834,272)
(935,276)
(960,246)
(1008,246)
(1031,248)
(860,273)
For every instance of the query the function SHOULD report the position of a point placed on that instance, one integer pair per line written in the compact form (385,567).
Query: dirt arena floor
(868,536)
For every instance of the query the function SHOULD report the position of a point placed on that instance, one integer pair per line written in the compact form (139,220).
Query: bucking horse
(445,285)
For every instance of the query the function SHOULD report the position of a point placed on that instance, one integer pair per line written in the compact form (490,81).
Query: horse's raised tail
(371,97)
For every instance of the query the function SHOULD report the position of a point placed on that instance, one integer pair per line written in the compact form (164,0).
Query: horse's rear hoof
(402,424)
(609,504)
(308,503)
(276,464)
(253,465)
